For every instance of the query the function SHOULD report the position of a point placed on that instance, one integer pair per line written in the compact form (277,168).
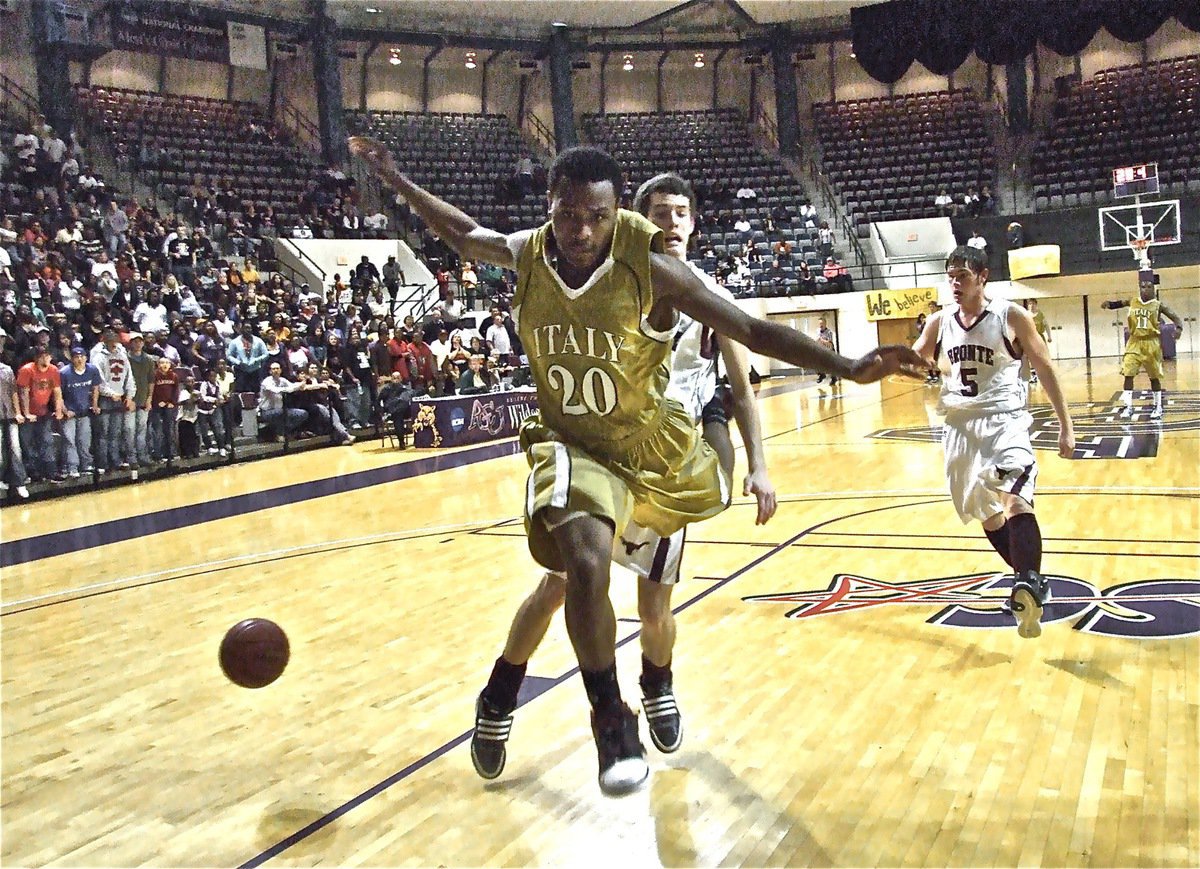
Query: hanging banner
(899,304)
(1034,261)
(168,30)
(247,45)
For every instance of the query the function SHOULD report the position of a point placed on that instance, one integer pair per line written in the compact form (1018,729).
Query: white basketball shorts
(649,555)
(987,455)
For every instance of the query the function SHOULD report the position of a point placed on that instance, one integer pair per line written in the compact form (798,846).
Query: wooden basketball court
(851,697)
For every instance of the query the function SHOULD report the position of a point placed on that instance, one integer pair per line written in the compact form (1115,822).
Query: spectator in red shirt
(39,391)
(837,275)
(164,401)
(398,351)
(421,364)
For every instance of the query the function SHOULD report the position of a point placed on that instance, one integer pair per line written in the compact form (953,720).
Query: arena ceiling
(530,19)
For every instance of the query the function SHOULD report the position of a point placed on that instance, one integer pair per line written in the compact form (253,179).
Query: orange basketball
(254,653)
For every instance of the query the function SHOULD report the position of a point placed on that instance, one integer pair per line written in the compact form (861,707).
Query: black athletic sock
(602,689)
(504,684)
(1000,542)
(654,677)
(1025,543)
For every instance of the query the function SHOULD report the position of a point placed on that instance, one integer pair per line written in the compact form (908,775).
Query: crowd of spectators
(972,203)
(767,264)
(132,337)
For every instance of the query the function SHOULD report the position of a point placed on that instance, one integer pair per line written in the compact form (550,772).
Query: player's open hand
(374,153)
(887,360)
(759,485)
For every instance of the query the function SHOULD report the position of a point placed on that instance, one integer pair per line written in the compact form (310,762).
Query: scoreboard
(1134,180)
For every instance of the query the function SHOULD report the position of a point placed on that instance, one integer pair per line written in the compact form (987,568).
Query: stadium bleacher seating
(209,145)
(713,150)
(467,159)
(888,157)
(1121,117)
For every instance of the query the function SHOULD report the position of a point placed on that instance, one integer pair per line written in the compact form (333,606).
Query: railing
(765,124)
(307,133)
(290,244)
(290,273)
(240,448)
(1076,259)
(419,298)
(298,124)
(15,100)
(535,128)
(851,233)
(828,197)
(1001,106)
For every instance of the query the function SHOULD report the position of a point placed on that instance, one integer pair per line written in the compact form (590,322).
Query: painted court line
(247,558)
(120,530)
(353,803)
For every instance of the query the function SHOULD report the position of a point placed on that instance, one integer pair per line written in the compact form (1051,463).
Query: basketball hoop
(1141,255)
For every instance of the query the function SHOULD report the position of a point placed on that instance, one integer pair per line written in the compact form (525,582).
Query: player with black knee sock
(980,344)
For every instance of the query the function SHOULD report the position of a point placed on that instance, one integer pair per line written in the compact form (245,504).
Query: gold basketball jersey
(1143,318)
(600,369)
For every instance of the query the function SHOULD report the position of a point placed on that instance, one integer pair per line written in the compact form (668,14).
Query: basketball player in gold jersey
(595,306)
(1043,330)
(1144,347)
(670,204)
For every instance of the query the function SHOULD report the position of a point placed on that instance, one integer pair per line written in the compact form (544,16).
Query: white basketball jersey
(981,368)
(694,361)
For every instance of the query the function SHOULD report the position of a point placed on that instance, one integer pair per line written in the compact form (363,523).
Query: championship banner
(168,30)
(470,419)
(899,304)
(247,45)
(1030,262)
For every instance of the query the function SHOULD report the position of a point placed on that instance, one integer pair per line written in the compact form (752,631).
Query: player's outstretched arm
(745,411)
(1172,316)
(675,285)
(1115,304)
(1021,323)
(452,226)
(926,344)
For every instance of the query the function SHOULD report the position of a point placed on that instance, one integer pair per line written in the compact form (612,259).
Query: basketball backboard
(1158,223)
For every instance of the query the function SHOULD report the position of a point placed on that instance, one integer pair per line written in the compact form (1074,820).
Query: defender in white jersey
(669,202)
(980,346)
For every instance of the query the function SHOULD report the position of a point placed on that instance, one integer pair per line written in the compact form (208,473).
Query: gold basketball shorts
(1142,353)
(665,481)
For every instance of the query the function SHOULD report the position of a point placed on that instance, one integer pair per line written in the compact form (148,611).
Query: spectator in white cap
(81,401)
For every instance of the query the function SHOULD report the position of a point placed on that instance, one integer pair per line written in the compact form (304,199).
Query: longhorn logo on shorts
(1148,609)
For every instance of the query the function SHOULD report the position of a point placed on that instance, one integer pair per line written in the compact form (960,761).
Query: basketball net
(1141,252)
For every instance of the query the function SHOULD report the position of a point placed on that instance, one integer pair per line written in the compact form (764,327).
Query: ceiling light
(470,60)
(628,64)
(394,57)
(699,64)
(852,54)
(371,10)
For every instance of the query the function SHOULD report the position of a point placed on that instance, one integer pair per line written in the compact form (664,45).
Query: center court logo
(1101,432)
(1147,609)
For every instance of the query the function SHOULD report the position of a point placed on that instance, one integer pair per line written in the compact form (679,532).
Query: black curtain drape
(885,38)
(943,28)
(941,34)
(1069,25)
(1135,20)
(1188,14)
(1007,32)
